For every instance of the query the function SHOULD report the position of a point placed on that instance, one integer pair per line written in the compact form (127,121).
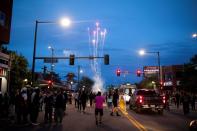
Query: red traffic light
(49,82)
(118,72)
(138,73)
(161,83)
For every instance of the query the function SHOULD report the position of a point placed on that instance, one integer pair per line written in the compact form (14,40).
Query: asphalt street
(74,120)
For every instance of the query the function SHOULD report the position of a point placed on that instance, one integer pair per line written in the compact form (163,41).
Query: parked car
(147,99)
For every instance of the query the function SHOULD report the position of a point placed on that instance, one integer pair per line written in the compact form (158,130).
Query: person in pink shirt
(99,100)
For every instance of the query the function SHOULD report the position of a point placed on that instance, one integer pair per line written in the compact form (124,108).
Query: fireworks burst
(96,44)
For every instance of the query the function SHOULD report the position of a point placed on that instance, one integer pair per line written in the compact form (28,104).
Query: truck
(147,99)
(126,90)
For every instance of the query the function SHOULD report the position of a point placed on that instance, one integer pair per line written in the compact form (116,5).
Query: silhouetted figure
(59,107)
(177,96)
(115,103)
(6,100)
(193,101)
(186,100)
(79,101)
(25,105)
(48,100)
(65,99)
(91,97)
(83,98)
(35,106)
(18,106)
(76,99)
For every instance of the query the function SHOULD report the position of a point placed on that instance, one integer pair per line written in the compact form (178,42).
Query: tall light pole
(79,72)
(143,52)
(52,61)
(52,55)
(64,22)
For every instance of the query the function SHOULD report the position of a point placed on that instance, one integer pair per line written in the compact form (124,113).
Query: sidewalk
(179,111)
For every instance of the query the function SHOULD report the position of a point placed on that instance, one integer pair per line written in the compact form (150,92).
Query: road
(74,120)
(170,121)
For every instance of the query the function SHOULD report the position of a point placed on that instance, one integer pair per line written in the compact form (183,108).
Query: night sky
(155,25)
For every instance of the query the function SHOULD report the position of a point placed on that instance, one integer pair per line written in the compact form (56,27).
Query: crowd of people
(24,105)
(187,100)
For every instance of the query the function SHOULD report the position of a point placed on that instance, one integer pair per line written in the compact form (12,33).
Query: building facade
(5,26)
(172,76)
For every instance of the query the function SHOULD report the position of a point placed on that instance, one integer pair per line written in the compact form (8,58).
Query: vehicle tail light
(141,99)
(164,99)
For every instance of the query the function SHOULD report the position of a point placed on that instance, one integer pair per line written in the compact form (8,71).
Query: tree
(52,76)
(85,83)
(189,79)
(148,83)
(19,70)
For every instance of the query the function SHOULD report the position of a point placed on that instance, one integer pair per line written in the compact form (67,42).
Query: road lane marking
(133,121)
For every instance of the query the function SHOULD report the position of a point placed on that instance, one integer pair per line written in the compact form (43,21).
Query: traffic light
(118,72)
(106,59)
(50,83)
(72,59)
(161,83)
(138,73)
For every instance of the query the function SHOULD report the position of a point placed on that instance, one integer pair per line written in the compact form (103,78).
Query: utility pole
(78,73)
(34,54)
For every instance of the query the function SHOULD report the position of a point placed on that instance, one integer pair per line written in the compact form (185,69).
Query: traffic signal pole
(34,54)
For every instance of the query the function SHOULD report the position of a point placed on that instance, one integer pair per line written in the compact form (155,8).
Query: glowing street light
(81,71)
(65,22)
(142,52)
(49,47)
(194,35)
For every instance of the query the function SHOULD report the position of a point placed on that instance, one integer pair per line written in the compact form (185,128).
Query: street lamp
(64,22)
(143,52)
(194,35)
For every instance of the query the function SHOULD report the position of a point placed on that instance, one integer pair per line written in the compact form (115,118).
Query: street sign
(50,60)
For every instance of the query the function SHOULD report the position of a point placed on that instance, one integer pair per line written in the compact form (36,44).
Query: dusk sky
(154,25)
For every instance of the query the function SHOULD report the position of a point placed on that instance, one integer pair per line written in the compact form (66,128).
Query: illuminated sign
(168,83)
(150,70)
